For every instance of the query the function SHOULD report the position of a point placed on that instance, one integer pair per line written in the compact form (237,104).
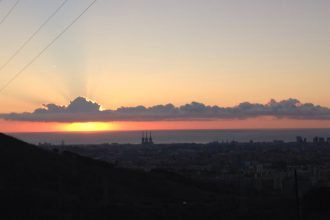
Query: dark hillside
(39,184)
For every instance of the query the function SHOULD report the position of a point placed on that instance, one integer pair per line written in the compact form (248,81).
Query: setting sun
(88,126)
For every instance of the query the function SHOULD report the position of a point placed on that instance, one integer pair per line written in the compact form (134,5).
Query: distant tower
(143,140)
(150,139)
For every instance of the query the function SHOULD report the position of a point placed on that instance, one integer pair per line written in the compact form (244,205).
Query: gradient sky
(147,52)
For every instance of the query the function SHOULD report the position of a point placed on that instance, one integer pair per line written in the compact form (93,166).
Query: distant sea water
(173,136)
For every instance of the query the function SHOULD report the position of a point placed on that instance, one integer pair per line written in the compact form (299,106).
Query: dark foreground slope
(38,184)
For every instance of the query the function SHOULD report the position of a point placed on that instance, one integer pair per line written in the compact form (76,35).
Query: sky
(154,52)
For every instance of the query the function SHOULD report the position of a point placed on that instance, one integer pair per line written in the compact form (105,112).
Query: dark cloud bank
(82,110)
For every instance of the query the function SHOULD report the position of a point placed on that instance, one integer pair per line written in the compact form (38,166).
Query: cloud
(83,110)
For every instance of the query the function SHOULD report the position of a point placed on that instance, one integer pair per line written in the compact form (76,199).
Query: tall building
(318,140)
(150,139)
(145,140)
(301,139)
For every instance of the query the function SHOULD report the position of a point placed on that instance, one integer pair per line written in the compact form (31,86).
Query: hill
(39,184)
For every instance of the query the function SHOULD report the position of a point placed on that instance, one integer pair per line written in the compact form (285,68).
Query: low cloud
(83,110)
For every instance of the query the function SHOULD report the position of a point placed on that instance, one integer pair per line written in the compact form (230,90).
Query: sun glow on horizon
(88,127)
(254,123)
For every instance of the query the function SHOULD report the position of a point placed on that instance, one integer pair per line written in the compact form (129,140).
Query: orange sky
(257,123)
(129,53)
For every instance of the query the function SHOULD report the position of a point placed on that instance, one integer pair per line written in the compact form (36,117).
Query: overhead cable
(47,47)
(9,12)
(32,36)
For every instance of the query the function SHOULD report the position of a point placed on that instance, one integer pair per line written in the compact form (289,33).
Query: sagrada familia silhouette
(145,139)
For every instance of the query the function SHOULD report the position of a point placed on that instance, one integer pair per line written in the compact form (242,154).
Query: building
(145,140)
(318,140)
(301,140)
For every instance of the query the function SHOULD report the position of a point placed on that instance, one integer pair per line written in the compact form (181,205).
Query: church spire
(143,140)
(150,139)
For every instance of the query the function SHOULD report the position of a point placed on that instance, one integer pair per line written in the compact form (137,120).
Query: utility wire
(48,46)
(32,35)
(9,12)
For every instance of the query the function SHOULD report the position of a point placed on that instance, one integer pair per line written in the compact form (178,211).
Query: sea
(173,136)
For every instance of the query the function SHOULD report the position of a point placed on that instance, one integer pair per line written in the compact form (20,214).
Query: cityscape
(253,166)
(277,170)
(164,110)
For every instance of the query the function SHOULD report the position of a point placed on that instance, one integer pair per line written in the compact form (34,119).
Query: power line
(32,36)
(9,12)
(48,46)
